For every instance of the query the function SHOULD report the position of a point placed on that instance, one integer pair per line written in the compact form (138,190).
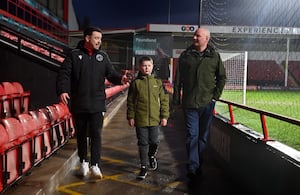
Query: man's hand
(64,98)
(125,79)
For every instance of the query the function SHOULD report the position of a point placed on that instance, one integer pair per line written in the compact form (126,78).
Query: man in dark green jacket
(201,77)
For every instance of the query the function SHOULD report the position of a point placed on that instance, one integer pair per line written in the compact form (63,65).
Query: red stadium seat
(57,126)
(12,161)
(3,141)
(6,108)
(25,97)
(2,92)
(65,118)
(1,102)
(43,124)
(54,139)
(61,111)
(18,87)
(14,96)
(29,125)
(11,172)
(9,88)
(19,136)
(15,130)
(70,123)
(31,131)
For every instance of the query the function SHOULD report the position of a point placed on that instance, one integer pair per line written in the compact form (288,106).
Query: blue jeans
(148,141)
(197,123)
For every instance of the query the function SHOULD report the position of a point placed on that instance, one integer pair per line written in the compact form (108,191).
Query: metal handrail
(262,114)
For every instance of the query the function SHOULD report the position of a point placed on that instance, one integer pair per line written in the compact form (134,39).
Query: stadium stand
(264,72)
(294,69)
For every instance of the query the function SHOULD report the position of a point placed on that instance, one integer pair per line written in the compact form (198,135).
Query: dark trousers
(197,123)
(89,125)
(148,141)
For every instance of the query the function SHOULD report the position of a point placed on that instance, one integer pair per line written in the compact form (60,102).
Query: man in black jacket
(81,80)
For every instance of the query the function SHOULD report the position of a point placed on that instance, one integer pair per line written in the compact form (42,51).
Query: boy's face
(146,67)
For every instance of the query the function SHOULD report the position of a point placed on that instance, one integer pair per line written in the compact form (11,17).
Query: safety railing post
(264,127)
(231,114)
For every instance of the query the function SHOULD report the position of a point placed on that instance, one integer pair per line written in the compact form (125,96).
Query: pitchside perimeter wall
(253,163)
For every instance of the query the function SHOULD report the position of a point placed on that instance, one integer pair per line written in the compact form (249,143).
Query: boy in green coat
(147,110)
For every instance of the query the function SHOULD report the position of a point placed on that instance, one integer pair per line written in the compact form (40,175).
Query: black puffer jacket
(83,77)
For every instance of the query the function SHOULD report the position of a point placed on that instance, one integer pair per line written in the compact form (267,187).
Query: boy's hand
(131,122)
(163,122)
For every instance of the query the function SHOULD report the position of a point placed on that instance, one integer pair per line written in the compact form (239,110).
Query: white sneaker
(84,169)
(96,172)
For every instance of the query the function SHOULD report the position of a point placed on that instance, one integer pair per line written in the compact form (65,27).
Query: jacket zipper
(148,80)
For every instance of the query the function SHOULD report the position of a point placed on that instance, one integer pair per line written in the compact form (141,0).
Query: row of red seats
(13,99)
(29,137)
(111,91)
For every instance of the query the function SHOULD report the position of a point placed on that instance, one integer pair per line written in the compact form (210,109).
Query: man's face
(94,40)
(200,38)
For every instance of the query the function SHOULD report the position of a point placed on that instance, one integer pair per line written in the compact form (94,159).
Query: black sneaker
(142,174)
(153,163)
(191,175)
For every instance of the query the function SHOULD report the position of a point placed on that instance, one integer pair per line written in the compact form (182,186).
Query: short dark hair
(90,30)
(145,58)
